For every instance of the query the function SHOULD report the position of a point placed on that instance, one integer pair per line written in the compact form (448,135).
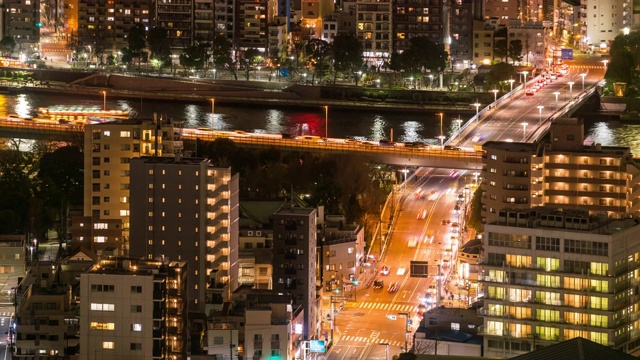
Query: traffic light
(39,24)
(355,282)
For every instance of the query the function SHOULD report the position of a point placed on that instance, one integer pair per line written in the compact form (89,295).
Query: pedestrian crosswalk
(370,340)
(5,313)
(387,306)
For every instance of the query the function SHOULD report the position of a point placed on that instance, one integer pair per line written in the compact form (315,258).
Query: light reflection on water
(267,119)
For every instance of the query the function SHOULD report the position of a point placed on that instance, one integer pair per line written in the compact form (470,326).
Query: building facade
(502,10)
(294,258)
(562,174)
(343,254)
(602,21)
(108,150)
(134,309)
(551,275)
(374,30)
(22,22)
(183,209)
(107,23)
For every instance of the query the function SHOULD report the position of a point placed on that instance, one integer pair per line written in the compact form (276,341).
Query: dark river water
(370,124)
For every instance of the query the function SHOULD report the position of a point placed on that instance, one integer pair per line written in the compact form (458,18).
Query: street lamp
(441,132)
(495,95)
(430,81)
(556,93)
(213,111)
(605,62)
(406,330)
(511,81)
(326,121)
(570,88)
(549,60)
(104,99)
(524,130)
(525,79)
(583,75)
(540,107)
(458,123)
(477,105)
(214,74)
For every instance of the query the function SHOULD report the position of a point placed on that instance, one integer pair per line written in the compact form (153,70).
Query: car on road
(378,284)
(413,242)
(422,214)
(384,270)
(393,287)
(401,271)
(529,92)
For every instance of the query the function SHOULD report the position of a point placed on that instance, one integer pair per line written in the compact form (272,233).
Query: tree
(221,53)
(500,73)
(61,180)
(500,49)
(515,51)
(423,54)
(347,54)
(249,59)
(624,60)
(194,57)
(7,44)
(318,51)
(136,42)
(159,46)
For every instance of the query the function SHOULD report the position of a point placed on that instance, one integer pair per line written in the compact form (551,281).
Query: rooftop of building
(177,159)
(112,265)
(576,349)
(472,246)
(565,219)
(510,146)
(288,209)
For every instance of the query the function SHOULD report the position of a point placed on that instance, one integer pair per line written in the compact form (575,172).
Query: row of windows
(109,345)
(94,325)
(112,288)
(550,244)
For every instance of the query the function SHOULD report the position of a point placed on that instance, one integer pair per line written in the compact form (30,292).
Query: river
(370,124)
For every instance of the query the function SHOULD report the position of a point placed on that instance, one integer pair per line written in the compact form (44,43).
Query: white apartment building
(602,21)
(108,150)
(532,37)
(374,30)
(343,254)
(133,309)
(550,275)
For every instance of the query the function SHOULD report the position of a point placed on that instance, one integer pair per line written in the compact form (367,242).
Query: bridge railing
(562,111)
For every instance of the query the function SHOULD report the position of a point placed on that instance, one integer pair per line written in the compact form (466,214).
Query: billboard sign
(566,54)
(317,346)
(419,269)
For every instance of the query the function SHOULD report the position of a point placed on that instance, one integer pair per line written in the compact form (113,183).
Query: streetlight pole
(326,121)
(511,81)
(605,62)
(441,132)
(406,330)
(524,130)
(556,93)
(477,105)
(525,80)
(104,99)
(583,75)
(213,111)
(540,107)
(495,95)
(570,88)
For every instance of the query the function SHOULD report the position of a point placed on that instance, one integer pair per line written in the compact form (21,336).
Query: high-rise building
(463,13)
(560,173)
(374,30)
(502,10)
(187,22)
(551,275)
(107,23)
(255,17)
(133,309)
(294,259)
(414,18)
(532,37)
(184,209)
(108,150)
(224,19)
(21,21)
(603,21)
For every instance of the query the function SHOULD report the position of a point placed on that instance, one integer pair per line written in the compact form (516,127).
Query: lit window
(136,327)
(108,345)
(125,134)
(107,133)
(102,326)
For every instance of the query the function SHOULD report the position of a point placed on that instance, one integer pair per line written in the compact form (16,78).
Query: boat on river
(80,114)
